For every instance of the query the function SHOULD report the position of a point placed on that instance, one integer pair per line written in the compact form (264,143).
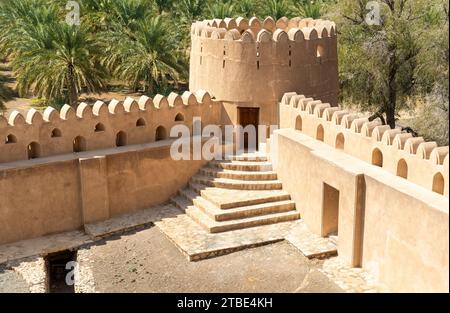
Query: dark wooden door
(249,116)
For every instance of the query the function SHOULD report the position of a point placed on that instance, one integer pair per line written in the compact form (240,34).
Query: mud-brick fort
(378,195)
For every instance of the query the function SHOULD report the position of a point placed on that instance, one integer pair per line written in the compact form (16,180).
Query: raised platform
(196,243)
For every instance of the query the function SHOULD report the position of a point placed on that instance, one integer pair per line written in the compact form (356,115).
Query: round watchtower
(252,63)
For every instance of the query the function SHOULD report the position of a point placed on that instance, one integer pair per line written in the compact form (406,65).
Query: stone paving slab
(130,221)
(351,279)
(196,243)
(33,271)
(42,245)
(310,244)
(229,198)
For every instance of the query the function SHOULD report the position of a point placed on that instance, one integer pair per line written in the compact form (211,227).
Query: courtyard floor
(147,261)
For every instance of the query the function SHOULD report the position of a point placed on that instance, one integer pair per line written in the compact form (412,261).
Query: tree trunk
(392,89)
(71,85)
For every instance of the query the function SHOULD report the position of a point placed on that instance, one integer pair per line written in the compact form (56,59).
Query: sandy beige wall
(304,167)
(38,200)
(137,120)
(59,194)
(390,226)
(360,138)
(253,63)
(406,237)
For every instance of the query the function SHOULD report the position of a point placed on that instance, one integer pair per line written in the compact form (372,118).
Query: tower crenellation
(255,62)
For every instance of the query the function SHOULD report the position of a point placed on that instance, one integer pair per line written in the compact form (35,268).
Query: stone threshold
(310,244)
(198,244)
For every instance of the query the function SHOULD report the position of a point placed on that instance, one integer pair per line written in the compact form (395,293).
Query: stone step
(217,227)
(237,184)
(189,193)
(181,202)
(198,188)
(249,157)
(242,166)
(242,212)
(232,198)
(242,175)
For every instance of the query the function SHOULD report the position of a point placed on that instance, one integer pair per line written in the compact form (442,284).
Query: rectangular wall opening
(330,215)
(57,273)
(249,117)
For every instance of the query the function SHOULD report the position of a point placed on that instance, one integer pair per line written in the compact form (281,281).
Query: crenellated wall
(385,224)
(382,192)
(253,63)
(101,126)
(398,152)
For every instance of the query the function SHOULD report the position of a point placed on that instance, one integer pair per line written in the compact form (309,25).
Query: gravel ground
(12,282)
(146,261)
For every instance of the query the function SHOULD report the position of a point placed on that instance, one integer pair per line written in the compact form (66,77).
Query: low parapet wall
(63,193)
(395,229)
(253,61)
(398,152)
(101,126)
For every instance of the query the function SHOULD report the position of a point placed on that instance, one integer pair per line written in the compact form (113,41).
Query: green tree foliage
(145,54)
(49,57)
(388,55)
(400,65)
(5,93)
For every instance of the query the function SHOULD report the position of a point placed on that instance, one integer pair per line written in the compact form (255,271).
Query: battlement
(418,161)
(102,125)
(256,62)
(284,29)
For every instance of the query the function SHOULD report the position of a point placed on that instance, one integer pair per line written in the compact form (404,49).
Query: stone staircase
(240,193)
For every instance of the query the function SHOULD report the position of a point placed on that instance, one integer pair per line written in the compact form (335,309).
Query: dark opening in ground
(60,272)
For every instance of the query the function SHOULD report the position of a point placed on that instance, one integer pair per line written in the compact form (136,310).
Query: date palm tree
(59,61)
(308,8)
(49,57)
(5,93)
(146,55)
(221,9)
(276,8)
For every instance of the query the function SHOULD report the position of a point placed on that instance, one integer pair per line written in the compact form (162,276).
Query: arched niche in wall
(10,139)
(179,117)
(160,133)
(320,133)
(33,150)
(377,157)
(340,141)
(56,133)
(121,139)
(402,169)
(79,144)
(438,183)
(141,122)
(299,123)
